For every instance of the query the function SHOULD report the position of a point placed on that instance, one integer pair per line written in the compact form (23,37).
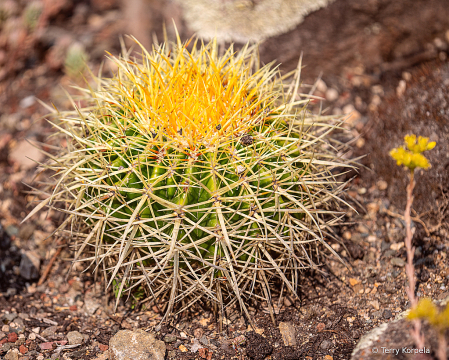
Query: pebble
(30,265)
(5,328)
(204,340)
(12,337)
(288,333)
(75,338)
(136,345)
(23,153)
(9,317)
(400,89)
(325,344)
(2,335)
(183,348)
(397,262)
(32,336)
(27,102)
(49,332)
(321,86)
(198,333)
(331,94)
(387,314)
(12,354)
(397,246)
(170,338)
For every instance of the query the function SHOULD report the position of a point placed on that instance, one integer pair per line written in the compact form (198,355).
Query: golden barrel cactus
(193,175)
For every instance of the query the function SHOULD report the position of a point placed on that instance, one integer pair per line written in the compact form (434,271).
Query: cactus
(197,176)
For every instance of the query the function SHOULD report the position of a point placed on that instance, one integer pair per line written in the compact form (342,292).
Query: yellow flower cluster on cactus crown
(427,310)
(412,157)
(197,96)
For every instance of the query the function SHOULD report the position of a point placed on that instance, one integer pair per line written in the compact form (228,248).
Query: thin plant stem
(442,345)
(409,268)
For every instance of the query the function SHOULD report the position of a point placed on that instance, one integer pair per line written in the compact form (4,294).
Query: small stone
(397,262)
(75,338)
(6,346)
(32,336)
(135,345)
(353,281)
(36,330)
(5,328)
(26,155)
(287,302)
(382,185)
(204,340)
(387,314)
(23,349)
(331,94)
(183,348)
(397,246)
(9,317)
(27,102)
(328,357)
(288,333)
(170,338)
(400,89)
(46,345)
(91,305)
(103,347)
(2,335)
(49,332)
(12,337)
(26,231)
(321,86)
(320,327)
(198,333)
(12,354)
(195,346)
(325,344)
(29,265)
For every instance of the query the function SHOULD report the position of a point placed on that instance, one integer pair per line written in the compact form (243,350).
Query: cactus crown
(196,176)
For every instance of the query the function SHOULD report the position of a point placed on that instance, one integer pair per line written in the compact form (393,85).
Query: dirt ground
(383,61)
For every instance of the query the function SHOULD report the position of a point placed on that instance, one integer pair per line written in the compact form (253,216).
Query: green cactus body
(190,168)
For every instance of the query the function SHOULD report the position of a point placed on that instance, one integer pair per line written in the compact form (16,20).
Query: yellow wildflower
(426,309)
(412,157)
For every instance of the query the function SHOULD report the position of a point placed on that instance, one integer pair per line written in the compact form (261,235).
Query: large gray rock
(246,20)
(135,345)
(29,265)
(393,339)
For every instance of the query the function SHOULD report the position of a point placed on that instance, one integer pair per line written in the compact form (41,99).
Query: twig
(442,345)
(409,268)
(416,219)
(41,338)
(49,266)
(45,320)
